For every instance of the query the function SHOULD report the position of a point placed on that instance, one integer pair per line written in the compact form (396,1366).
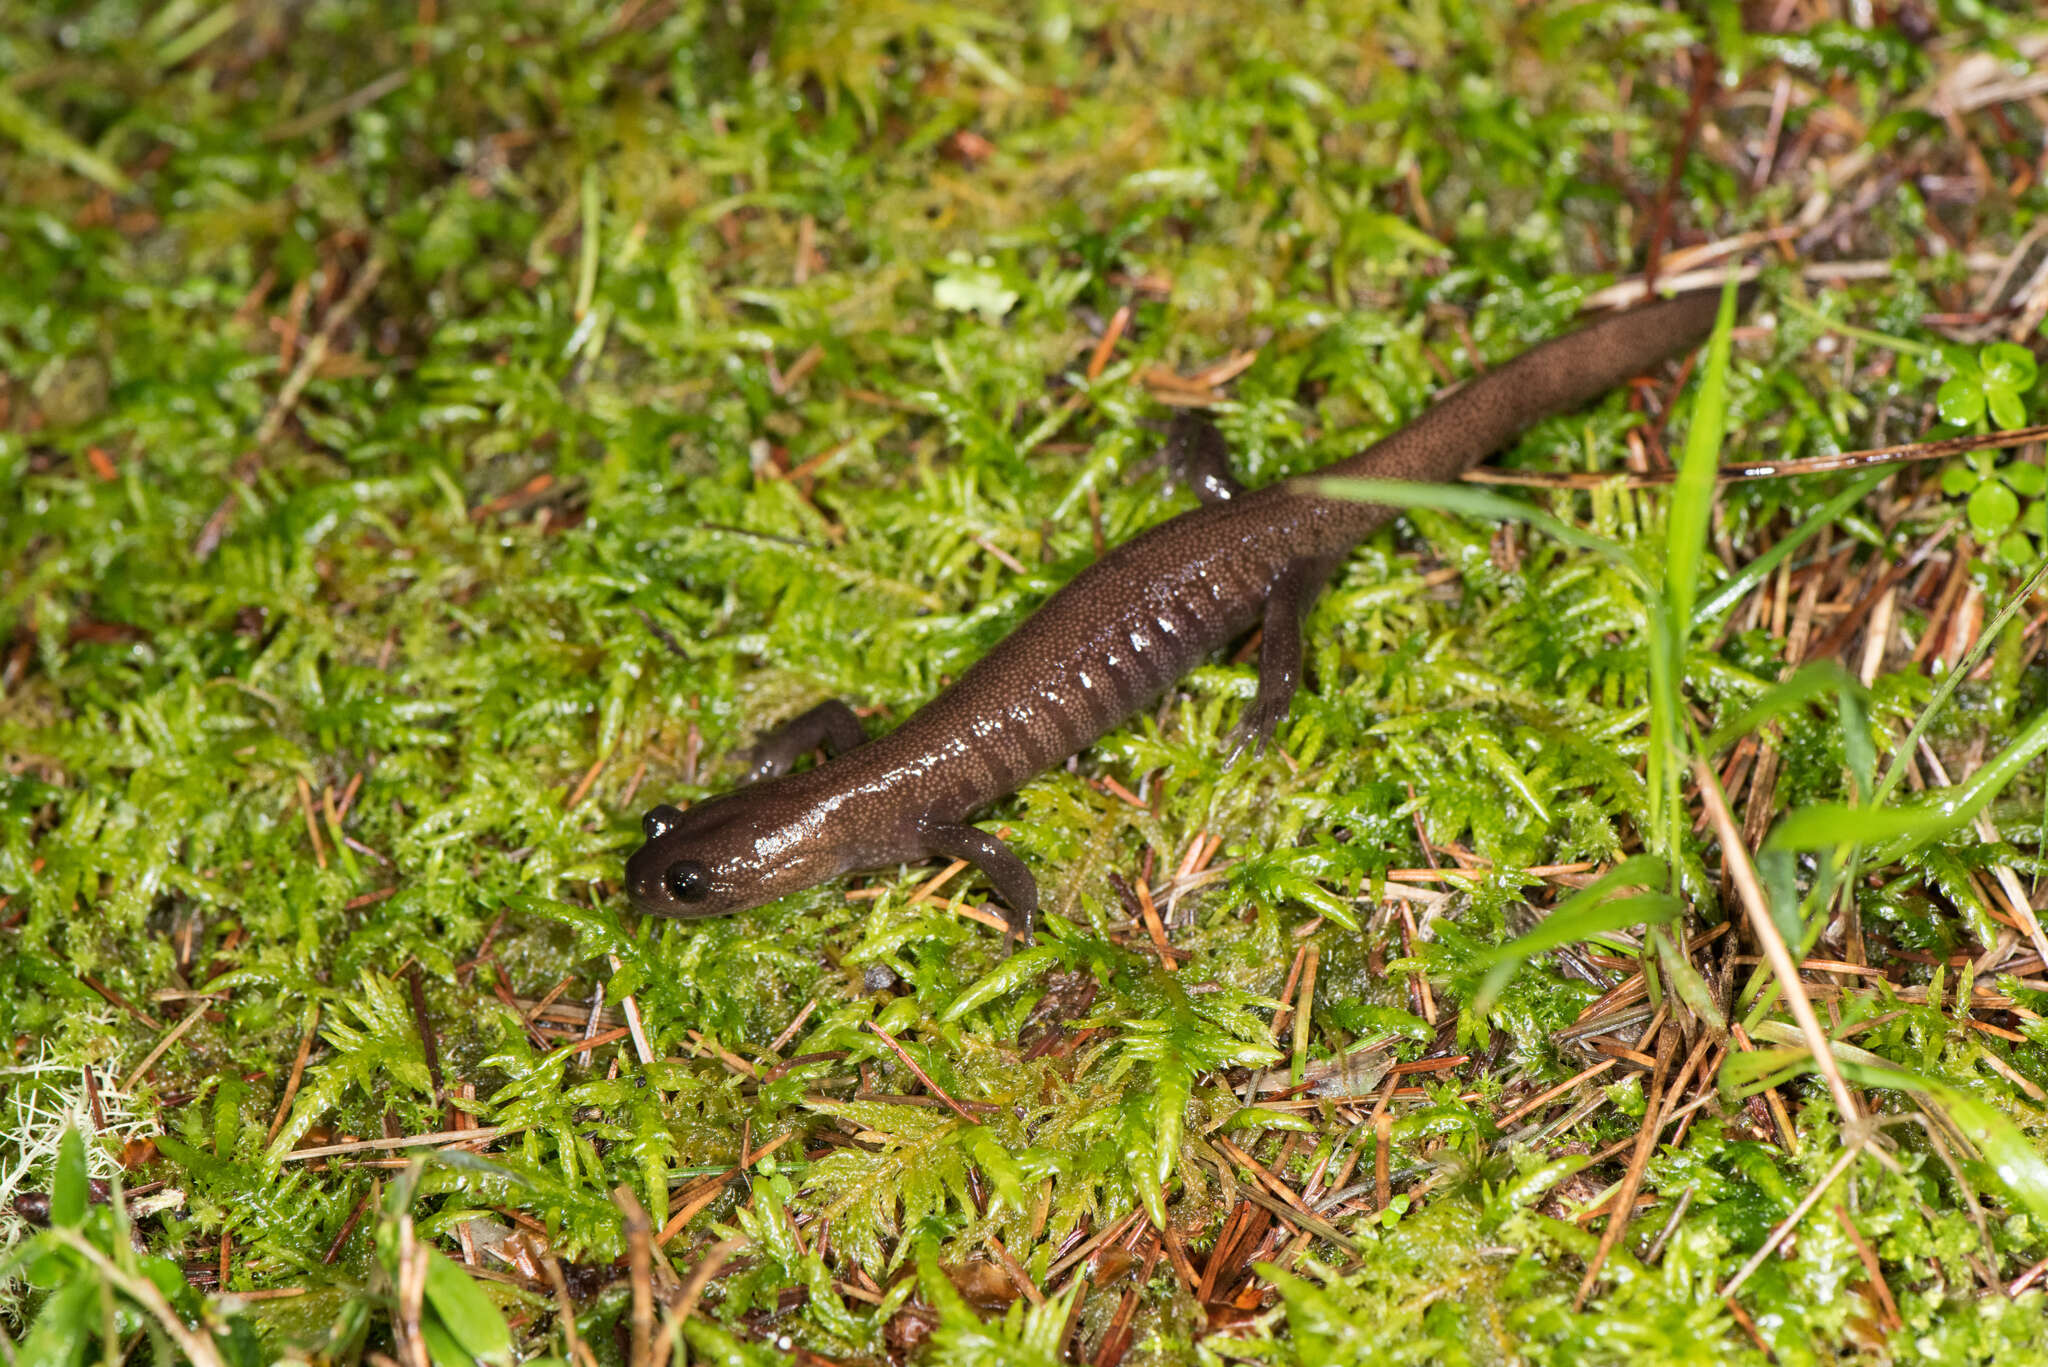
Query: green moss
(727,357)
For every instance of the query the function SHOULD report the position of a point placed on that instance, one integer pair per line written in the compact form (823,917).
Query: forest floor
(433,433)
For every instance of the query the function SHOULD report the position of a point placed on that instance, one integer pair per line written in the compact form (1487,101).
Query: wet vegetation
(431,433)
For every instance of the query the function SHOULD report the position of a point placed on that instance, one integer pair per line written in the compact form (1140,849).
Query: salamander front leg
(831,724)
(999,864)
(1279,653)
(1198,457)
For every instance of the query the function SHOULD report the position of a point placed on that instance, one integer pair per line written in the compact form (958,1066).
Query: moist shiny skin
(1105,645)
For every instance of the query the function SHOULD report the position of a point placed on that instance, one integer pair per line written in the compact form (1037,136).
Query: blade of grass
(2013,1157)
(1469,502)
(1670,609)
(39,137)
(1584,914)
(1806,683)
(1896,770)
(1737,586)
(1837,823)
(1692,497)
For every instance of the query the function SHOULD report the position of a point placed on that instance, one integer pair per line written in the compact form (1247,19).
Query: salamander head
(733,852)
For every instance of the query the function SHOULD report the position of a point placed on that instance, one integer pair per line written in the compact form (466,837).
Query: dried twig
(1783,967)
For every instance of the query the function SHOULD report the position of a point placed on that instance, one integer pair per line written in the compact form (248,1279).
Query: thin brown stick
(1154,927)
(1290,1206)
(1015,1269)
(1703,67)
(1743,471)
(702,1273)
(1177,1253)
(934,1088)
(565,1312)
(1383,1137)
(1585,1075)
(163,1046)
(348,1227)
(1097,361)
(583,785)
(640,1258)
(693,1200)
(430,1047)
(407,1327)
(1749,1327)
(1632,1182)
(118,1000)
(407,1141)
(1783,967)
(316,351)
(1113,1231)
(1116,1340)
(634,1027)
(1871,1267)
(312,824)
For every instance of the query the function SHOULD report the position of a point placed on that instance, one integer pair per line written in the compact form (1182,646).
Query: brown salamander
(1104,646)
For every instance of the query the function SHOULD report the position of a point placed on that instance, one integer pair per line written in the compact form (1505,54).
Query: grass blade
(1581,916)
(1470,502)
(1692,497)
(1737,586)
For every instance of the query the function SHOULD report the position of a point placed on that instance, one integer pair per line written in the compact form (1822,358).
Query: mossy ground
(431,433)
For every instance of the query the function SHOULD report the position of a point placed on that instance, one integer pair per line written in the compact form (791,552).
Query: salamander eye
(686,881)
(659,821)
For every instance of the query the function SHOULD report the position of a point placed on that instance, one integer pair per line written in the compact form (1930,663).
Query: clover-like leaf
(1993,508)
(2016,548)
(1958,479)
(2007,366)
(2027,480)
(1960,402)
(2007,409)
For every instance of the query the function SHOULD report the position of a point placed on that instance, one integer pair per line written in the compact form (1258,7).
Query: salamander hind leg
(1198,458)
(999,864)
(831,724)
(1287,602)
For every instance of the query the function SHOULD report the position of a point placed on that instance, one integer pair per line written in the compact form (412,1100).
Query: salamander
(1101,648)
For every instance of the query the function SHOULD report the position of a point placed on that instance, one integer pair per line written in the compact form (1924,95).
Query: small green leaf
(974,291)
(1836,823)
(2034,520)
(70,1188)
(2007,410)
(1815,680)
(1959,402)
(1993,508)
(62,1327)
(1004,978)
(442,1349)
(2014,548)
(1958,479)
(1256,1118)
(2006,365)
(472,1320)
(2025,478)
(997,1163)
